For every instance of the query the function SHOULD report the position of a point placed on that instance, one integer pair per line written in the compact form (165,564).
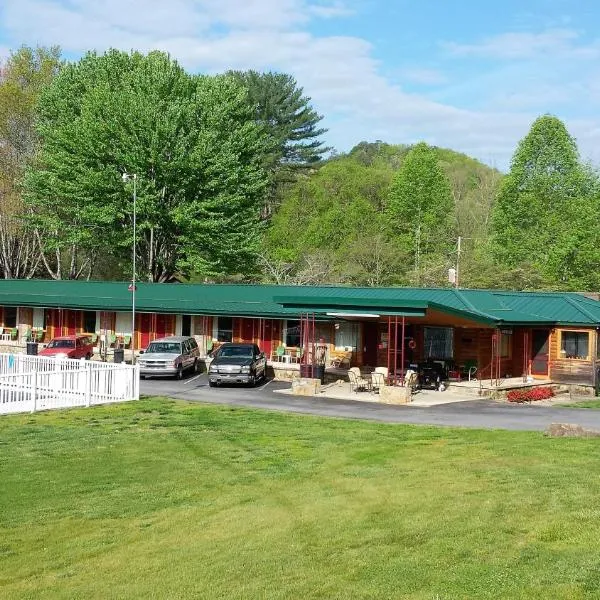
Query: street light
(126,177)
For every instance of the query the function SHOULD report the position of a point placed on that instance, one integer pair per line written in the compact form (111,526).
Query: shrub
(530,395)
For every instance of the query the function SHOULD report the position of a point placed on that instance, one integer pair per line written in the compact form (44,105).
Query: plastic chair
(126,340)
(278,354)
(39,335)
(14,333)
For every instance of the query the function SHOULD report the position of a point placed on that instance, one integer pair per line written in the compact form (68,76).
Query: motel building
(480,333)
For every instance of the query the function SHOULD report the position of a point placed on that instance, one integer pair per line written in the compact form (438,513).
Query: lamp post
(126,177)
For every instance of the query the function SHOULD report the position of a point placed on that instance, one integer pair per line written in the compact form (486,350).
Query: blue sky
(465,74)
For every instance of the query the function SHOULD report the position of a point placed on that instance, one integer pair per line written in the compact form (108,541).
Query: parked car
(237,363)
(70,346)
(173,355)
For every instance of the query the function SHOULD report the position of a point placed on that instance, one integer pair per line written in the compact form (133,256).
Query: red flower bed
(530,395)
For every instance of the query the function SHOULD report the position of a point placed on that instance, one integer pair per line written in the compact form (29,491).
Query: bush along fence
(31,383)
(530,395)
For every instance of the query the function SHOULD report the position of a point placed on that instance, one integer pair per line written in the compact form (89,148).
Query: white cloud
(340,73)
(519,45)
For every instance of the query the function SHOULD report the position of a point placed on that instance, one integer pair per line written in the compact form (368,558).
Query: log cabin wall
(572,370)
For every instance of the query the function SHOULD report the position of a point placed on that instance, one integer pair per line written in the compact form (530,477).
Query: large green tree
(194,145)
(543,206)
(292,124)
(23,76)
(420,214)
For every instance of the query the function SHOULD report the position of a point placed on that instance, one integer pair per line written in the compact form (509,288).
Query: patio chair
(94,338)
(341,360)
(112,339)
(357,382)
(126,340)
(383,371)
(377,381)
(278,355)
(411,379)
(14,333)
(296,355)
(39,335)
(469,369)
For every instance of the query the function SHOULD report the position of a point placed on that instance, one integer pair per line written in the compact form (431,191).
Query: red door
(249,329)
(144,329)
(540,347)
(164,325)
(72,321)
(266,343)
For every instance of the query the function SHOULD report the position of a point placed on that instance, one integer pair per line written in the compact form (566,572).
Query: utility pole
(457,261)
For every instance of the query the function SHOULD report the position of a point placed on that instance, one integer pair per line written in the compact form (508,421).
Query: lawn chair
(39,335)
(278,355)
(14,333)
(112,340)
(126,340)
(357,382)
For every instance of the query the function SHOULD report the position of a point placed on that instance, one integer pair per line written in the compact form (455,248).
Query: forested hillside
(341,223)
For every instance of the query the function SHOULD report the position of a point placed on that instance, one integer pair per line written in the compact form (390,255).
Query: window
(186,325)
(10,316)
(439,342)
(224,329)
(292,334)
(505,345)
(574,344)
(89,321)
(346,336)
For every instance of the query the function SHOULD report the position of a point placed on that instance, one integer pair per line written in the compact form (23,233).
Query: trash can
(306,371)
(32,348)
(119,355)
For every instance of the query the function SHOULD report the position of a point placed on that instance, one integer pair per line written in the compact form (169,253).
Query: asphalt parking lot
(485,414)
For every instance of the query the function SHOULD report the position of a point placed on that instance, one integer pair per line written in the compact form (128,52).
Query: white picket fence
(31,383)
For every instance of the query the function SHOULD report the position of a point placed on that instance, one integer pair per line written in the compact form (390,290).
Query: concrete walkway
(342,391)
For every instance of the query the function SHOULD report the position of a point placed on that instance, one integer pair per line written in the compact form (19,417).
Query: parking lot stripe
(193,378)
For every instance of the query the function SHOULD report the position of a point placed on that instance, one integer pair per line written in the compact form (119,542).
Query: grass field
(158,499)
(592,403)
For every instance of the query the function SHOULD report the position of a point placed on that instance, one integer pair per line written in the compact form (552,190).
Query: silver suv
(172,355)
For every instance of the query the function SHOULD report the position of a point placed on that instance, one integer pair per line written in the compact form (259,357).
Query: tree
(292,126)
(191,141)
(420,213)
(22,78)
(533,219)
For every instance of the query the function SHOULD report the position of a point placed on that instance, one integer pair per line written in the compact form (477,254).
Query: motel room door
(540,349)
(370,343)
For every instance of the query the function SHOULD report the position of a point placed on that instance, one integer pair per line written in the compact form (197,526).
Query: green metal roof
(482,306)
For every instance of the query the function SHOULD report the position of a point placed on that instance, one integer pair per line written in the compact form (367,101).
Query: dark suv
(237,363)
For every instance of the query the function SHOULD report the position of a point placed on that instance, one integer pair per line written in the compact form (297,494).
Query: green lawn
(595,403)
(161,499)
